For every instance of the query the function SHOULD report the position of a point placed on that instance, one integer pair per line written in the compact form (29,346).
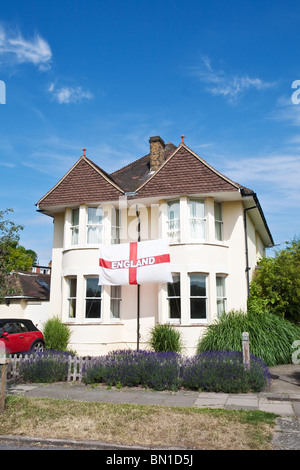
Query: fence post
(3,367)
(246,350)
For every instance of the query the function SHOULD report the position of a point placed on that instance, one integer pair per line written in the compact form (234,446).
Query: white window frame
(115,226)
(115,298)
(74,227)
(205,297)
(171,297)
(86,298)
(97,226)
(194,221)
(218,222)
(72,300)
(173,224)
(221,298)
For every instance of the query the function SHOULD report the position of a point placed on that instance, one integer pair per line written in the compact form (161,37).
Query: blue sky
(107,75)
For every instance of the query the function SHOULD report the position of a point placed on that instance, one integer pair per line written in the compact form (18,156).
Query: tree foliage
(276,284)
(12,255)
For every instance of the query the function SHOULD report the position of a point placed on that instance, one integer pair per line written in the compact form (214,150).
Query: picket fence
(75,366)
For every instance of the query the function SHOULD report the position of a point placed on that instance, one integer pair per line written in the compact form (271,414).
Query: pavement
(282,398)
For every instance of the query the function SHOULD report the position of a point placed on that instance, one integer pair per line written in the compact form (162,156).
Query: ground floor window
(115,302)
(72,297)
(174,298)
(93,298)
(221,295)
(198,297)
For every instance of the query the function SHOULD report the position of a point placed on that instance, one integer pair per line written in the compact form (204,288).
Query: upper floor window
(74,226)
(196,219)
(174,221)
(115,226)
(174,298)
(218,221)
(94,225)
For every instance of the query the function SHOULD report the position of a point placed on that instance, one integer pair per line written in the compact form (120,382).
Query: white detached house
(216,228)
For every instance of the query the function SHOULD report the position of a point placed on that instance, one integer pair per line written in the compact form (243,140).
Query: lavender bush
(45,366)
(132,368)
(223,371)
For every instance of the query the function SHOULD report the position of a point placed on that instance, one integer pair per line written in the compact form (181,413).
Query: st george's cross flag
(135,263)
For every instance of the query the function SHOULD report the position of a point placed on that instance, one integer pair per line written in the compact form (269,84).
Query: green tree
(276,284)
(12,255)
(9,234)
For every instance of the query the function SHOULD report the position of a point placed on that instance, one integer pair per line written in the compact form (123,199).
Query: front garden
(218,371)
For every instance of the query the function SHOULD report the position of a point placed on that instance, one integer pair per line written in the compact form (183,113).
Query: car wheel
(37,346)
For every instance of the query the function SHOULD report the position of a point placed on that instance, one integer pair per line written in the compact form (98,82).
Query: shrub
(165,338)
(159,371)
(45,366)
(56,334)
(271,337)
(223,371)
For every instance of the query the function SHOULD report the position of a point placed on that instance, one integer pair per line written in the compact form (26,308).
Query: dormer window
(94,225)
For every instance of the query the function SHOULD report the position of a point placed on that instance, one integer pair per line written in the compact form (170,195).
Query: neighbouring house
(217,232)
(30,297)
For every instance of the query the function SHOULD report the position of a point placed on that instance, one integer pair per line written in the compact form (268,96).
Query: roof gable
(85,182)
(184,172)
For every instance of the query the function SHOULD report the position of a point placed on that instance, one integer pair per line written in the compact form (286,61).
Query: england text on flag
(135,263)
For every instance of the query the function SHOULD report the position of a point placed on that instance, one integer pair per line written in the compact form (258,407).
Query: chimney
(157,152)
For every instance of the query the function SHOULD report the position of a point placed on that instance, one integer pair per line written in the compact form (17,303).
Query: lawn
(142,425)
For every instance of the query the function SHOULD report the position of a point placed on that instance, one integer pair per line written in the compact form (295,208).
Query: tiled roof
(136,173)
(184,172)
(28,285)
(84,183)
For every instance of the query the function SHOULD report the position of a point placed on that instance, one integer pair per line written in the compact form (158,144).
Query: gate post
(246,350)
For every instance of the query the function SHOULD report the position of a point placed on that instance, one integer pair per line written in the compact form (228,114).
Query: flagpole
(138,286)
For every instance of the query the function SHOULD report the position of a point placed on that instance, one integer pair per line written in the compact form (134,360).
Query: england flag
(135,263)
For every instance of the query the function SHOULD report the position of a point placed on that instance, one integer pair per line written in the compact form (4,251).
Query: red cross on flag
(135,263)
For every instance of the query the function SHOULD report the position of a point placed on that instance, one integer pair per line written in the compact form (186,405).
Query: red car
(19,336)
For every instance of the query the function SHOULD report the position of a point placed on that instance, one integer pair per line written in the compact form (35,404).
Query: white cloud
(14,48)
(66,94)
(231,87)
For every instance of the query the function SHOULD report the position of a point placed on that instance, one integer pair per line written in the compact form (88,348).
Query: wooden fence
(75,366)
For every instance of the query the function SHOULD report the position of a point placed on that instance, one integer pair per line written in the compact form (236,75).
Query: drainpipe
(246,243)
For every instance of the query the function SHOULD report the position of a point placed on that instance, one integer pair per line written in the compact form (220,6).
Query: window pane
(174,287)
(72,297)
(174,220)
(218,221)
(94,234)
(92,287)
(198,308)
(93,308)
(220,286)
(197,219)
(75,216)
(174,308)
(95,215)
(198,285)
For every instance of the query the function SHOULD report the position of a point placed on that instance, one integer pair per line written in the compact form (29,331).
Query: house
(30,297)
(217,231)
